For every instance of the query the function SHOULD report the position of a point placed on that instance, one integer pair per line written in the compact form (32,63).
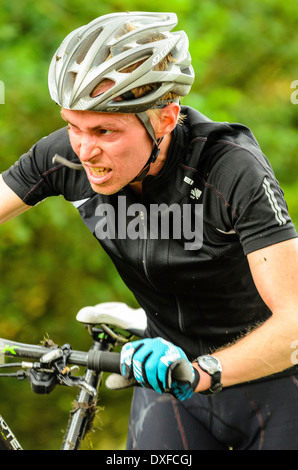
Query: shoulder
(35,176)
(56,142)
(231,156)
(65,180)
(239,174)
(237,162)
(215,146)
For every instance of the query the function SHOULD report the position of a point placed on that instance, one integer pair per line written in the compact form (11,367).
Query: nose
(88,148)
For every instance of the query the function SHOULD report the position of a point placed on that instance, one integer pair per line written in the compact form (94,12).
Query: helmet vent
(86,45)
(102,87)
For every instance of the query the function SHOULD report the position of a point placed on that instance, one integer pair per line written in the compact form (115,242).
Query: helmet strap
(144,118)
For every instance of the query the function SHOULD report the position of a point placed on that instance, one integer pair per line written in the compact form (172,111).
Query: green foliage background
(245,58)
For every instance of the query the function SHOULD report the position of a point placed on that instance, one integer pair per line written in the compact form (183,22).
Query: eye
(104,132)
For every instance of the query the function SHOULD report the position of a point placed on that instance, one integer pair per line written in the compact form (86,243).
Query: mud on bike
(46,366)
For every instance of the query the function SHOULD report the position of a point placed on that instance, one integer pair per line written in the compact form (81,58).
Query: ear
(167,120)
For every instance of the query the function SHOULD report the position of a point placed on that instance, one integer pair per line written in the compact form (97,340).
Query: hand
(152,363)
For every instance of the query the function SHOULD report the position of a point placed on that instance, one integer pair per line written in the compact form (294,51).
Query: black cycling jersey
(197,293)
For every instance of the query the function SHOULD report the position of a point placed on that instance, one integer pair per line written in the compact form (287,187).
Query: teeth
(99,171)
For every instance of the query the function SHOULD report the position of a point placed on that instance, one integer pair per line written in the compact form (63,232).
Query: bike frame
(8,441)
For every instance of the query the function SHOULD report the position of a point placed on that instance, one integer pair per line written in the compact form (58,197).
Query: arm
(11,205)
(267,349)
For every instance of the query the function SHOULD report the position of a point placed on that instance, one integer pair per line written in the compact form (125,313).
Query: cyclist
(224,306)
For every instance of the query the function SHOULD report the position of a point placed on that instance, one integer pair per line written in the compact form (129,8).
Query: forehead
(94,119)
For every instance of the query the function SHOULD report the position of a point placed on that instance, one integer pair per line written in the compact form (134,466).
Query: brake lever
(58,358)
(71,381)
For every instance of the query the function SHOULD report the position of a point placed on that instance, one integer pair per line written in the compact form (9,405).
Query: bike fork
(82,415)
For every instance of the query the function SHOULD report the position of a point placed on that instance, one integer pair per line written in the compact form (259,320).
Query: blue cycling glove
(152,362)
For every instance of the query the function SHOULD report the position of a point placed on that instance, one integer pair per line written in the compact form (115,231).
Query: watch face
(210,363)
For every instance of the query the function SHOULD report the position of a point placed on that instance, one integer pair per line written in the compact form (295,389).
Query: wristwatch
(212,366)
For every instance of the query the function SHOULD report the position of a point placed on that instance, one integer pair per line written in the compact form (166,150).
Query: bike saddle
(117,314)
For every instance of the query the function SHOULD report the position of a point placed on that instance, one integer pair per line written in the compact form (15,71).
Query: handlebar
(99,361)
(96,360)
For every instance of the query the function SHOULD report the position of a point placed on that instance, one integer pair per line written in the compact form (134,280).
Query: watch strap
(216,385)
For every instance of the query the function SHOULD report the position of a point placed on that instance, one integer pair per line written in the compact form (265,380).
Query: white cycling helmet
(105,49)
(101,50)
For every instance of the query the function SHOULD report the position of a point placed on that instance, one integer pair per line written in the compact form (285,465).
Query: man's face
(113,148)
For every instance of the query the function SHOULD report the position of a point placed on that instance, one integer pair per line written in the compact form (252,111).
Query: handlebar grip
(104,361)
(110,362)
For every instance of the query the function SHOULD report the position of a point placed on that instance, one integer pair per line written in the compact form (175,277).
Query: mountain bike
(110,325)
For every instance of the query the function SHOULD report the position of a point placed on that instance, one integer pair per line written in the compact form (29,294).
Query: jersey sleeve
(34,176)
(265,220)
(252,201)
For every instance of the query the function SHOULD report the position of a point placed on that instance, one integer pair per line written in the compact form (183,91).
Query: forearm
(266,350)
(11,205)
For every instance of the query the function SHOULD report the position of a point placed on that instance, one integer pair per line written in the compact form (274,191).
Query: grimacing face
(113,148)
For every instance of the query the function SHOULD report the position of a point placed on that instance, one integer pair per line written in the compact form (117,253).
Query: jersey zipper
(145,248)
(147,275)
(180,316)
